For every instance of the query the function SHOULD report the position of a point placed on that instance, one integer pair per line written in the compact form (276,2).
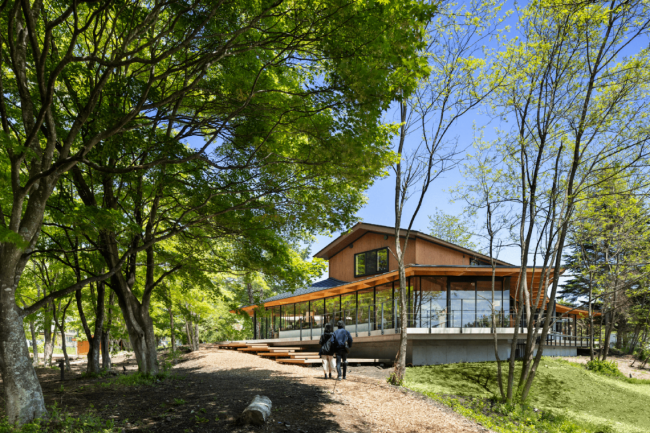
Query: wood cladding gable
(418,251)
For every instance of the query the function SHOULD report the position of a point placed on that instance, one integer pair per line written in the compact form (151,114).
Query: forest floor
(207,391)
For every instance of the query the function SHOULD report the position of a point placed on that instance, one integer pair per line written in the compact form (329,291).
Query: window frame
(378,271)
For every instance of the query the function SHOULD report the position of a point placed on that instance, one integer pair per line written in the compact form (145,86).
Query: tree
(76,77)
(451,228)
(577,106)
(610,253)
(457,83)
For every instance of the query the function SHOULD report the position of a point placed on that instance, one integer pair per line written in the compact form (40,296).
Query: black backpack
(328,347)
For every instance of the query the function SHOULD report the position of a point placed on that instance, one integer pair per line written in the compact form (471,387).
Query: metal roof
(316,287)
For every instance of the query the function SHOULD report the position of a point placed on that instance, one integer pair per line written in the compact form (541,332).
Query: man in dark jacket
(341,336)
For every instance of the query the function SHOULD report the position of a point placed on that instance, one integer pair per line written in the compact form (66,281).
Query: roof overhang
(533,277)
(360,229)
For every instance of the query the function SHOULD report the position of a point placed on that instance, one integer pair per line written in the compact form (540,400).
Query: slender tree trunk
(591,320)
(47,338)
(196,333)
(171,328)
(32,329)
(106,335)
(94,338)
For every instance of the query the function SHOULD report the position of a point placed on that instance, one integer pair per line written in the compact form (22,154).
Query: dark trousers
(341,360)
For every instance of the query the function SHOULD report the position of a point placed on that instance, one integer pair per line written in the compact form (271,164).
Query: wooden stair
(290,355)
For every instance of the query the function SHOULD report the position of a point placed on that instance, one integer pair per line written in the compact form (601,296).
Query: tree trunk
(22,391)
(106,335)
(141,334)
(171,327)
(94,338)
(32,329)
(65,351)
(196,333)
(48,346)
(591,321)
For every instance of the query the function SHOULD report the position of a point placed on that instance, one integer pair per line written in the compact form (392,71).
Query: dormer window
(371,262)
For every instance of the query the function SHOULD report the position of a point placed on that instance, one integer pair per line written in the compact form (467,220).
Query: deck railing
(385,317)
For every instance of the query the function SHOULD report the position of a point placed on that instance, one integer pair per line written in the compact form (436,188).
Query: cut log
(258,411)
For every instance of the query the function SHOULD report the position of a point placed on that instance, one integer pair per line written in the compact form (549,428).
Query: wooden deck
(290,355)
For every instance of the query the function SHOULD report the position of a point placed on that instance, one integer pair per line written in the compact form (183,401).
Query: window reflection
(463,304)
(434,302)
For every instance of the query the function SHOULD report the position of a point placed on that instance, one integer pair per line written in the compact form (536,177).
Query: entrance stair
(290,355)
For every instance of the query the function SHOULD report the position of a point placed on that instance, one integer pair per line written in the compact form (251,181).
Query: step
(254,349)
(319,361)
(286,349)
(275,354)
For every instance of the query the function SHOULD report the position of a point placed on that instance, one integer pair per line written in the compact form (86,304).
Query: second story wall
(428,253)
(419,251)
(342,263)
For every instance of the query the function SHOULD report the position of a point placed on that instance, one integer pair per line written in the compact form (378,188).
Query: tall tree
(457,83)
(578,105)
(77,76)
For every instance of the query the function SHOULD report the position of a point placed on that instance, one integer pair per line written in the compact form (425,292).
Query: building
(450,301)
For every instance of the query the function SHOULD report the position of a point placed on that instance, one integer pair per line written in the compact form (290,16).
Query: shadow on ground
(193,400)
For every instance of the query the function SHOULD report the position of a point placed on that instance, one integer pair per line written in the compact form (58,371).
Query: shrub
(607,368)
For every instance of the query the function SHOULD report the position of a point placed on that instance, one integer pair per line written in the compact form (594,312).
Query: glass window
(360,264)
(348,308)
(434,301)
(414,302)
(484,301)
(276,322)
(384,296)
(303,317)
(366,301)
(371,262)
(289,319)
(318,313)
(332,310)
(463,304)
(382,260)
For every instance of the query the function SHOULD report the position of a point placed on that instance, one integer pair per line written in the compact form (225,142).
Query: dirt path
(624,364)
(212,387)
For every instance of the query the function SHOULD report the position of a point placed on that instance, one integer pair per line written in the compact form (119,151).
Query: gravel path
(304,402)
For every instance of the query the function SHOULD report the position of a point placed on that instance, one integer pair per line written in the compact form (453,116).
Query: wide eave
(533,276)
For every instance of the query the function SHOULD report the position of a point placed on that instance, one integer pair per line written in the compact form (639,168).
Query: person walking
(326,355)
(343,345)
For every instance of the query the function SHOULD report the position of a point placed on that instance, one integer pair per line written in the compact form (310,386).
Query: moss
(559,387)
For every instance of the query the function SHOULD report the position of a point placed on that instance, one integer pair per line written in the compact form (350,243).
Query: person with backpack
(327,350)
(343,341)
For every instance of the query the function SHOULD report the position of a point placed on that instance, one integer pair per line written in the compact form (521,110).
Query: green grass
(63,422)
(561,388)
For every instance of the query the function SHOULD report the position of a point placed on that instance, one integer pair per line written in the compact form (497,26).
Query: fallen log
(257,412)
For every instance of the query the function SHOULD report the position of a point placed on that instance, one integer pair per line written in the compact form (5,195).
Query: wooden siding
(341,266)
(428,253)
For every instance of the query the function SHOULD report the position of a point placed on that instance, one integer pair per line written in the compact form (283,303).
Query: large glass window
(366,301)
(463,304)
(414,302)
(371,262)
(484,302)
(332,310)
(434,302)
(348,308)
(318,313)
(302,311)
(289,319)
(276,321)
(384,296)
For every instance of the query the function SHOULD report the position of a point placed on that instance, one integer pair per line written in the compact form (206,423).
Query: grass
(565,391)
(62,422)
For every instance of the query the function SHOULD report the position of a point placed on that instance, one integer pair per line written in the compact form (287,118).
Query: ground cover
(594,401)
(206,391)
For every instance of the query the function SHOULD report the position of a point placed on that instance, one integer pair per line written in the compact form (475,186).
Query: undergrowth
(137,379)
(511,418)
(63,422)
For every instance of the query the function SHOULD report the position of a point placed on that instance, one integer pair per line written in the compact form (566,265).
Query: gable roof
(362,228)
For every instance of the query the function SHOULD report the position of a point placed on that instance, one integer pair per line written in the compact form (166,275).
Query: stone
(257,412)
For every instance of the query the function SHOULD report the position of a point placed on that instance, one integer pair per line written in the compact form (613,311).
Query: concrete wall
(431,352)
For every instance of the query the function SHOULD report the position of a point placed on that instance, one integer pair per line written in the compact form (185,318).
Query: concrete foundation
(427,347)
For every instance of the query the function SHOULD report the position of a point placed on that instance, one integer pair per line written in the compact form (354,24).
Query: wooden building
(450,301)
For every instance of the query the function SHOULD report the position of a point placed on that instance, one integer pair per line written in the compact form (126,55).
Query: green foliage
(137,379)
(394,380)
(452,228)
(608,368)
(520,418)
(179,401)
(63,422)
(560,389)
